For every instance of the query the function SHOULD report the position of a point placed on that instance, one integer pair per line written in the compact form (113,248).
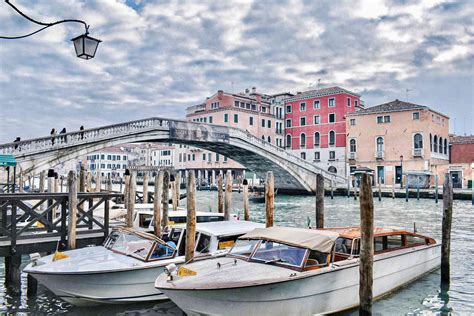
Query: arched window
(352,146)
(332,138)
(332,169)
(431,142)
(269,139)
(288,141)
(380,143)
(317,139)
(263,137)
(303,140)
(445,146)
(435,144)
(418,141)
(440,148)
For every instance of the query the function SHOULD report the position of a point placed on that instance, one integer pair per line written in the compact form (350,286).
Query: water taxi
(124,268)
(295,271)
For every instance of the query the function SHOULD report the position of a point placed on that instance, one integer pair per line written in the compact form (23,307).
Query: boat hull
(98,288)
(333,290)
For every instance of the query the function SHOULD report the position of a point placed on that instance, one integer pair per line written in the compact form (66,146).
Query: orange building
(396,138)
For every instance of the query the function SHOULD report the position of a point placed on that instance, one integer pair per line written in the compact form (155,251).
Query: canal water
(424,297)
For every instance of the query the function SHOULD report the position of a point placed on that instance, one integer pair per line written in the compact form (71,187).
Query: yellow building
(396,138)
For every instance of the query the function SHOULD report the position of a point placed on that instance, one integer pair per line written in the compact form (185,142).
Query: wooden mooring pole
(367,246)
(145,187)
(191,218)
(332,188)
(380,190)
(98,181)
(220,195)
(82,179)
(393,187)
(228,195)
(446,227)
(269,199)
(246,200)
(348,186)
(132,189)
(173,192)
(13,273)
(178,188)
(109,183)
(166,199)
(436,189)
(72,207)
(157,203)
(319,201)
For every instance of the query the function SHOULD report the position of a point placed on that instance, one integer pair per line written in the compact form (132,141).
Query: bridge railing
(59,141)
(236,132)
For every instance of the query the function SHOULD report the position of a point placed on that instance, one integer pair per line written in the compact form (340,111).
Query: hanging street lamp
(85,45)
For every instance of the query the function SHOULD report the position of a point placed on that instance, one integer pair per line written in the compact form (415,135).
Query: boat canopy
(319,240)
(7,161)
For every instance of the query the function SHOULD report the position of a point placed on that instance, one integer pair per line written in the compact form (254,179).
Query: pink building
(315,126)
(250,111)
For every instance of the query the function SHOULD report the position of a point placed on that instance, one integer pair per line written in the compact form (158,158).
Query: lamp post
(84,45)
(401,172)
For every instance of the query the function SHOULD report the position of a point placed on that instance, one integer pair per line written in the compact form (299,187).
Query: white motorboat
(294,271)
(125,267)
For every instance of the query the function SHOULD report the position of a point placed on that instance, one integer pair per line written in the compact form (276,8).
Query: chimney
(247,91)
(254,90)
(220,94)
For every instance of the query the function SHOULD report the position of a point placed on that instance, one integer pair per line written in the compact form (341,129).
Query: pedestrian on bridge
(16,141)
(63,138)
(53,135)
(82,133)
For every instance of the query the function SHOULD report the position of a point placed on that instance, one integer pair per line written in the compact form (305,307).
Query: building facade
(315,126)
(396,138)
(461,158)
(110,161)
(277,103)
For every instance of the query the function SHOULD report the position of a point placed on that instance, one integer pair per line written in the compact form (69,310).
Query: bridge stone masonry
(256,154)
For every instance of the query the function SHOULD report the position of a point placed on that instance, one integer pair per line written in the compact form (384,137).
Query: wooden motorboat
(124,269)
(294,271)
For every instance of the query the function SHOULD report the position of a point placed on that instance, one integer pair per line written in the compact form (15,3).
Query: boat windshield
(129,244)
(273,252)
(243,248)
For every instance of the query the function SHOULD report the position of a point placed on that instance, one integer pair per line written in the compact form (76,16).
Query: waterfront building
(315,126)
(461,159)
(110,161)
(277,102)
(250,111)
(398,137)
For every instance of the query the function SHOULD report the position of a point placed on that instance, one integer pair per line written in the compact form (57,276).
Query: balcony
(352,156)
(379,154)
(417,152)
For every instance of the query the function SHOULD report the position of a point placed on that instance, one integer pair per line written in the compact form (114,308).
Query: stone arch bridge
(257,155)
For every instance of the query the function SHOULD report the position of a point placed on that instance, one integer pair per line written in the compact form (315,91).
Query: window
(386,119)
(269,124)
(194,157)
(236,118)
(226,118)
(288,141)
(118,157)
(303,106)
(303,140)
(331,102)
(445,146)
(303,156)
(247,106)
(264,109)
(263,137)
(435,144)
(440,150)
(332,117)
(380,144)
(288,123)
(251,120)
(254,107)
(225,159)
(288,109)
(416,115)
(356,103)
(349,102)
(332,138)
(203,243)
(210,119)
(352,122)
(204,157)
(379,119)
(236,104)
(431,142)
(217,157)
(317,156)
(269,139)
(352,146)
(102,156)
(332,155)
(215,105)
(418,141)
(317,139)
(316,104)
(263,123)
(302,121)
(317,119)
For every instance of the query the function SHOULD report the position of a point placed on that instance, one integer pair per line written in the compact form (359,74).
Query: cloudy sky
(157,57)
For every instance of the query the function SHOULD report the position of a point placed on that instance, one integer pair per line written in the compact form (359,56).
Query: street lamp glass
(85,46)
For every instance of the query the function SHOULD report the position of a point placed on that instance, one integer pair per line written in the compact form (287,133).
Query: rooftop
(392,106)
(458,139)
(321,92)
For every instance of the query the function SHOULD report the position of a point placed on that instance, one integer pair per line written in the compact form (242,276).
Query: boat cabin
(211,238)
(303,249)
